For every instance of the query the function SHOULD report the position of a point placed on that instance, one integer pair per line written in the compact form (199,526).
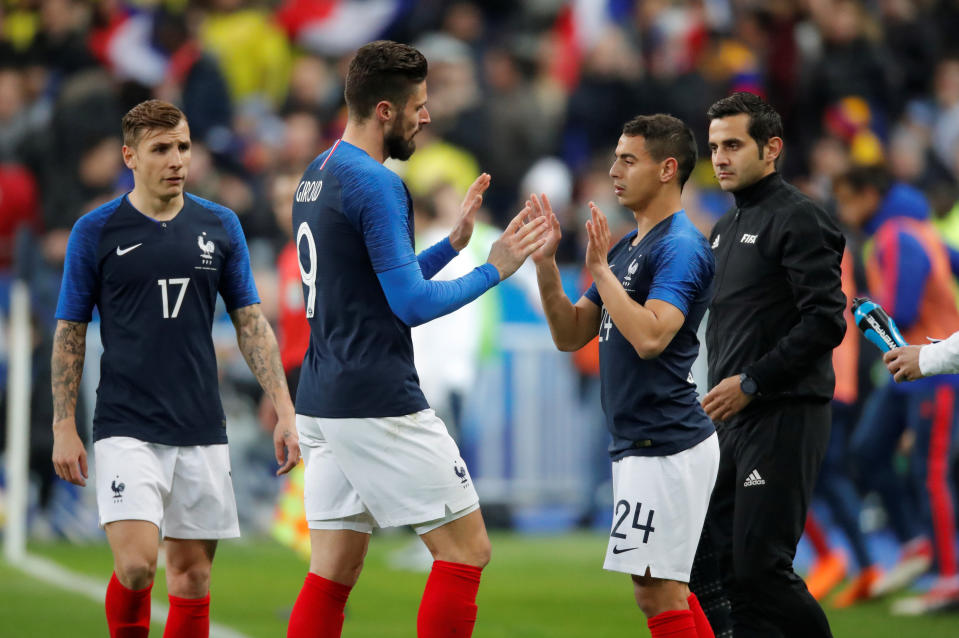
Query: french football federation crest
(631,270)
(207,247)
(117,490)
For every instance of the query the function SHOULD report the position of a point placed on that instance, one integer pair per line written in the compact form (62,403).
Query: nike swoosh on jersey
(122,251)
(617,550)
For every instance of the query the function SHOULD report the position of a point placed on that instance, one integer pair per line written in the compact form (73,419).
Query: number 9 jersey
(353,219)
(154,284)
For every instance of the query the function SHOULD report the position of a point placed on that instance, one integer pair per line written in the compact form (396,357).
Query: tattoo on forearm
(258,345)
(69,349)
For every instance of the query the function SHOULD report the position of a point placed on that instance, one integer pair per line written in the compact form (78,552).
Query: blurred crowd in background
(534,93)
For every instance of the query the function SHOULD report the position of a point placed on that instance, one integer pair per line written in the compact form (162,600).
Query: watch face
(747,385)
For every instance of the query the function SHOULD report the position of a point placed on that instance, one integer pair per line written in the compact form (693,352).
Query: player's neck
(368,136)
(159,209)
(656,211)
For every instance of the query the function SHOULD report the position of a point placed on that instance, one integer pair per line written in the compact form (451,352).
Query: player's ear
(384,111)
(668,169)
(129,157)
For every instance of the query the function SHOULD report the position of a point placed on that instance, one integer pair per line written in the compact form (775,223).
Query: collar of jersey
(126,200)
(758,191)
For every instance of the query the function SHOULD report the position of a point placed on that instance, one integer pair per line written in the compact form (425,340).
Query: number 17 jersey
(155,285)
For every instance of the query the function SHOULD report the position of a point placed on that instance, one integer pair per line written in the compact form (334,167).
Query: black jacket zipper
(735,231)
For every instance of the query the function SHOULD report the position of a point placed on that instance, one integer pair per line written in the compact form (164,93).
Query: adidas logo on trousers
(754,479)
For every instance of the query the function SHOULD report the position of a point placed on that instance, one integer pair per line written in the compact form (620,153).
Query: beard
(397,146)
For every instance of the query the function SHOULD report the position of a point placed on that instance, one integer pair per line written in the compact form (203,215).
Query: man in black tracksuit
(776,315)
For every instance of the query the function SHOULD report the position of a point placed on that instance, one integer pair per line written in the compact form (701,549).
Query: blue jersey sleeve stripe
(236,284)
(673,298)
(682,268)
(80,284)
(375,200)
(433,259)
(416,300)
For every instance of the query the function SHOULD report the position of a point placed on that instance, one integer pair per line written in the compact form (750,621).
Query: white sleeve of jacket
(941,357)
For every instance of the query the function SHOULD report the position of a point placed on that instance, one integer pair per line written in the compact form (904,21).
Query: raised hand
(517,242)
(461,233)
(597,229)
(542,208)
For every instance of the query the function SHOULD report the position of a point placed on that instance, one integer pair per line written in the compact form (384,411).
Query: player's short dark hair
(764,121)
(382,70)
(861,178)
(151,114)
(666,136)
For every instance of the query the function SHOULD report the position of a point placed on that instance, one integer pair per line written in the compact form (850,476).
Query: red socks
(691,623)
(318,611)
(703,628)
(673,624)
(128,610)
(448,607)
(188,618)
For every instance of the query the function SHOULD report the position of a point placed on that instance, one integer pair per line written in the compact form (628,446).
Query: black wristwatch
(748,385)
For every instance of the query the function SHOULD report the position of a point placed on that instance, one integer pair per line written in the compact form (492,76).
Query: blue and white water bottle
(876,324)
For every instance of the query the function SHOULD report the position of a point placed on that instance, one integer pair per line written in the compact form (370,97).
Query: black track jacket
(777,311)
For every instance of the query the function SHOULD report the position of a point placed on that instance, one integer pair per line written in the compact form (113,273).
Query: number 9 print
(309,278)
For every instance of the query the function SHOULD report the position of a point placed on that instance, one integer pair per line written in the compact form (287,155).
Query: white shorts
(383,472)
(186,491)
(660,507)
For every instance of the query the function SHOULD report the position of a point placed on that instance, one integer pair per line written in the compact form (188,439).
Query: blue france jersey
(155,286)
(353,218)
(651,405)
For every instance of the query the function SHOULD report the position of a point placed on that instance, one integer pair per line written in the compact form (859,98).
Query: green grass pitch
(549,586)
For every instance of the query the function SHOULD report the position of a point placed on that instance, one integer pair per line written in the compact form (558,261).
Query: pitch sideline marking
(55,574)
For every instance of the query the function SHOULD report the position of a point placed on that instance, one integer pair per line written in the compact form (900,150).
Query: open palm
(540,207)
(461,233)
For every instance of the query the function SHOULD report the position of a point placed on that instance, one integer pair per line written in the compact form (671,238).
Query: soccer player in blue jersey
(152,262)
(375,454)
(649,294)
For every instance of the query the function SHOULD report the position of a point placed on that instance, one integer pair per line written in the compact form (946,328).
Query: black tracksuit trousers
(768,464)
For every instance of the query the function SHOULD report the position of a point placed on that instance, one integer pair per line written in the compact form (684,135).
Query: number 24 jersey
(155,285)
